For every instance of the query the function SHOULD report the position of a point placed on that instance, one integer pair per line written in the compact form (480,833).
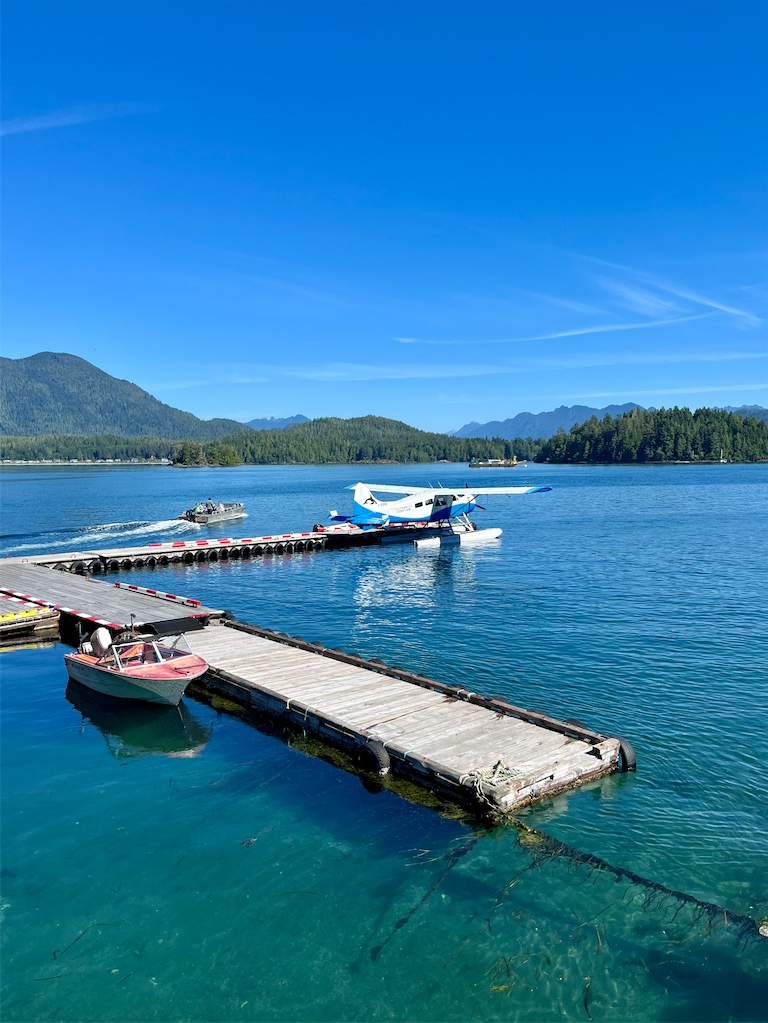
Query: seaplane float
(442,512)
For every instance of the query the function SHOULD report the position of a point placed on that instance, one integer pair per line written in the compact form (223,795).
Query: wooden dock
(189,552)
(473,749)
(199,551)
(87,603)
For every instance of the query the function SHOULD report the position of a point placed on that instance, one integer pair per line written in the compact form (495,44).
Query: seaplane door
(442,507)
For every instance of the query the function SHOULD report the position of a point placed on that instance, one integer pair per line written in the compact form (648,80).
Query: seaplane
(444,511)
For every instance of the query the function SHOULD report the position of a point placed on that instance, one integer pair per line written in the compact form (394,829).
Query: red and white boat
(150,668)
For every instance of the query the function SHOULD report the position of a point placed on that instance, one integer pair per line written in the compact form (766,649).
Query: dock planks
(94,600)
(422,731)
(495,758)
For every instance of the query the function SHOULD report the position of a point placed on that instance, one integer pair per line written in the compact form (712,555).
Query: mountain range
(273,423)
(541,424)
(57,393)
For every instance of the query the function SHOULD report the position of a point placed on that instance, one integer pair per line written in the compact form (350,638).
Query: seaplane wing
(409,491)
(509,490)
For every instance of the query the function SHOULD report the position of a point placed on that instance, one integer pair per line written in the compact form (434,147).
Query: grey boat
(209,513)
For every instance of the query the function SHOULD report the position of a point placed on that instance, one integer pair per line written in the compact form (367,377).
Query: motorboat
(150,668)
(209,513)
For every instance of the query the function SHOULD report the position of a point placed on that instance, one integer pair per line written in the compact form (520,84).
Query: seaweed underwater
(543,849)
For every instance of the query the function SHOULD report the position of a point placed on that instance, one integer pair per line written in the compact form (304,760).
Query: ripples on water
(201,869)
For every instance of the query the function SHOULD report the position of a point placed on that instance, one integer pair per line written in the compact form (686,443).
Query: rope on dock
(481,776)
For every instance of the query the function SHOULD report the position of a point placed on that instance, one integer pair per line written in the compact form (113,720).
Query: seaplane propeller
(475,505)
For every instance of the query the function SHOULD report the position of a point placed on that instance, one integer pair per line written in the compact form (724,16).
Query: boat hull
(149,688)
(204,518)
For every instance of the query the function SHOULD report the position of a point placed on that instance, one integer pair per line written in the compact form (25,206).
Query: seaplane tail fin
(363,496)
(365,508)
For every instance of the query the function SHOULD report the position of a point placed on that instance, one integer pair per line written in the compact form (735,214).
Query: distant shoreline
(134,463)
(100,463)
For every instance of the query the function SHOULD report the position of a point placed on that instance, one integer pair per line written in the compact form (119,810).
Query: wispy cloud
(238,380)
(677,290)
(639,300)
(175,385)
(610,359)
(562,303)
(214,377)
(348,372)
(343,372)
(574,332)
(662,391)
(324,295)
(72,116)
(252,291)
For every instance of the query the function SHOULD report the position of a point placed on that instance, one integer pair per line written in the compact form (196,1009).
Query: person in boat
(210,506)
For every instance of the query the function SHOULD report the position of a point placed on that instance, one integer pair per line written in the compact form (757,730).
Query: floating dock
(190,552)
(472,749)
(82,604)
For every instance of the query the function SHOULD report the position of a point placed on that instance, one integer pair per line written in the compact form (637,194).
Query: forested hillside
(366,439)
(321,441)
(665,435)
(63,447)
(56,393)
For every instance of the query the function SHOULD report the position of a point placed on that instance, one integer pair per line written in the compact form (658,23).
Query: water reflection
(133,729)
(415,579)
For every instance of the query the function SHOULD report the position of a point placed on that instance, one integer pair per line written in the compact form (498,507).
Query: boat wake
(122,534)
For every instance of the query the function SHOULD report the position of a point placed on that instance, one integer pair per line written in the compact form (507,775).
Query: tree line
(318,442)
(665,435)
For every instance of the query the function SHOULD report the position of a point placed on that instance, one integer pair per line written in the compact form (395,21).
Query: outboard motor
(101,641)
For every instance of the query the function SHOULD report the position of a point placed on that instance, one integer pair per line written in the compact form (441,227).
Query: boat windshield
(172,646)
(147,651)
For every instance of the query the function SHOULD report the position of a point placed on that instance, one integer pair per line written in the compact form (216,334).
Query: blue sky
(432,211)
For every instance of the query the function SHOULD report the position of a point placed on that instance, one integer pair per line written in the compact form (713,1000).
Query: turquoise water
(197,868)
